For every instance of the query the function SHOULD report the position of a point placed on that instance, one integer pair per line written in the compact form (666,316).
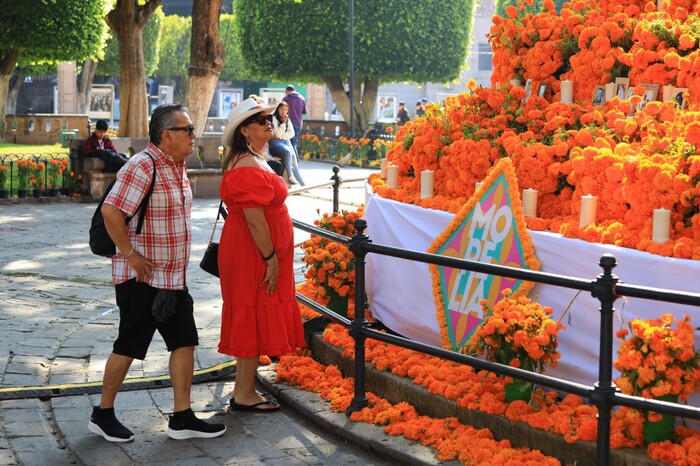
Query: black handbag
(210,260)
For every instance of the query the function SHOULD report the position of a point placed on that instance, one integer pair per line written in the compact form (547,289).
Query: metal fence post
(337,181)
(359,400)
(603,390)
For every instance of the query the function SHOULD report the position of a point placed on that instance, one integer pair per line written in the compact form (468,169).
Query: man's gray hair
(162,118)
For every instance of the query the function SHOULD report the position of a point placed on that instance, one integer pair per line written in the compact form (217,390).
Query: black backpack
(100,242)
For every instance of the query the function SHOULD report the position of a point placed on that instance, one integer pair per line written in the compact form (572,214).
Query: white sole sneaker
(95,429)
(186,434)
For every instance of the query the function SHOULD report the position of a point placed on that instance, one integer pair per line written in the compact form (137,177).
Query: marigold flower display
(4,170)
(330,265)
(658,360)
(634,159)
(519,333)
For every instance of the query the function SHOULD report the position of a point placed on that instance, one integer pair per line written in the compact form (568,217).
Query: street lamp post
(352,66)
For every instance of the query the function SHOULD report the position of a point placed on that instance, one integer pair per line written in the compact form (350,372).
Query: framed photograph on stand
(101,102)
(651,92)
(678,96)
(541,89)
(272,96)
(387,107)
(528,90)
(228,99)
(599,94)
(621,85)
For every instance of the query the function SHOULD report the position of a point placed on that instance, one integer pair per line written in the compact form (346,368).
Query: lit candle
(567,91)
(427,178)
(530,202)
(588,208)
(382,173)
(668,93)
(662,225)
(392,176)
(609,91)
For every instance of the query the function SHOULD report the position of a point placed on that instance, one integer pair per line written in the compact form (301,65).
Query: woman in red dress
(260,314)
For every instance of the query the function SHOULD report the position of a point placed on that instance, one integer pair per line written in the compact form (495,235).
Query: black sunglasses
(259,119)
(189,129)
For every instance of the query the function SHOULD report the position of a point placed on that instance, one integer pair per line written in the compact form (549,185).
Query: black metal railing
(13,176)
(605,287)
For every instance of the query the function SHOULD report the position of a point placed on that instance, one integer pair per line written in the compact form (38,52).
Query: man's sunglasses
(189,129)
(260,119)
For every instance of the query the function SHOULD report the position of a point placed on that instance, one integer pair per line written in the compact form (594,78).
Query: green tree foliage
(523,8)
(397,40)
(152,32)
(53,30)
(174,47)
(47,31)
(394,40)
(234,69)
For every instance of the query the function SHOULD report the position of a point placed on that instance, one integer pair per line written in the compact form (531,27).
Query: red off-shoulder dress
(254,323)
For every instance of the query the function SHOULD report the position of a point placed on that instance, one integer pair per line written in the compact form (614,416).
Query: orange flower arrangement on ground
(658,360)
(449,437)
(519,333)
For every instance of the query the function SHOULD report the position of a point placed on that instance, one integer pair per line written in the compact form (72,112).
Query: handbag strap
(221,213)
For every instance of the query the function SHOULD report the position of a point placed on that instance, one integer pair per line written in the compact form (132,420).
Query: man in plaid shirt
(150,266)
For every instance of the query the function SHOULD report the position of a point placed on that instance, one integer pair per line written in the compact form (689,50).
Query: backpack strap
(144,203)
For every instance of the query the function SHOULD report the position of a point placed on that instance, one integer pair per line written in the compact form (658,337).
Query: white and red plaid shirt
(167,229)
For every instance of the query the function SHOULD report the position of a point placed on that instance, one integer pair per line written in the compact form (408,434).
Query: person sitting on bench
(100,146)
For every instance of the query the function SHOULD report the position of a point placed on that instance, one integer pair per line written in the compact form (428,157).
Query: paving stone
(42,458)
(80,352)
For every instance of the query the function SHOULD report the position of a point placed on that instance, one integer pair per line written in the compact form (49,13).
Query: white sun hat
(239,113)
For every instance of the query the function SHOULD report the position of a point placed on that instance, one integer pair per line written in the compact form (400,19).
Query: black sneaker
(103,422)
(186,425)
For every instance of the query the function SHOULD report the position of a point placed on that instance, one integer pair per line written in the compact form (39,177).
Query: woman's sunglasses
(260,119)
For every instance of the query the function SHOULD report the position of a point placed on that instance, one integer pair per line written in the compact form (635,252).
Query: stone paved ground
(58,320)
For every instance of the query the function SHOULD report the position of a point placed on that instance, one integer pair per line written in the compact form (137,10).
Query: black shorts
(137,324)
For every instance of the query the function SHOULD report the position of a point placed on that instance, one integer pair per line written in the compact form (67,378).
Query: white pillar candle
(588,207)
(477,184)
(516,82)
(609,91)
(567,91)
(427,179)
(530,202)
(668,93)
(662,225)
(382,165)
(392,176)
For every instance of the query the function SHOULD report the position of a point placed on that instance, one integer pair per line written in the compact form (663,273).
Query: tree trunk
(364,96)
(206,61)
(13,94)
(8,63)
(85,84)
(127,20)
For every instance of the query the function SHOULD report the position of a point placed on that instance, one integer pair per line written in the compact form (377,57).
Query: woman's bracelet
(130,253)
(272,254)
